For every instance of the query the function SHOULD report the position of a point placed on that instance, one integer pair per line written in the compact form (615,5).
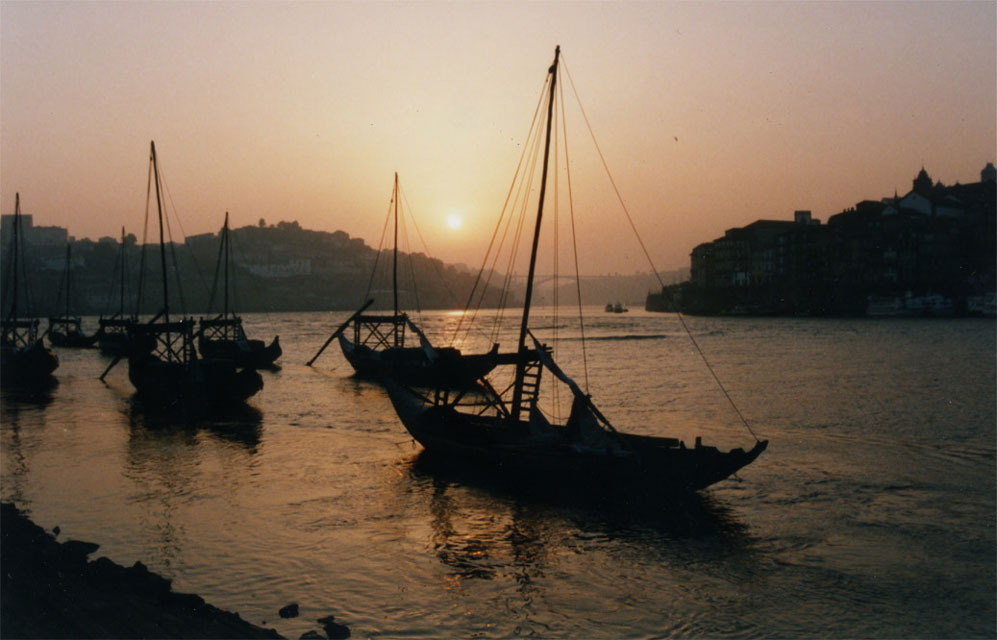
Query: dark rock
(103,570)
(49,590)
(192,602)
(311,635)
(333,629)
(80,547)
(56,531)
(290,611)
(73,553)
(144,581)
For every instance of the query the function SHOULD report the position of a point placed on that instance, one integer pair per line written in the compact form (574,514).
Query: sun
(454,221)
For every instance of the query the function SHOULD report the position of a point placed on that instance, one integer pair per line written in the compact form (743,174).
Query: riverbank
(50,589)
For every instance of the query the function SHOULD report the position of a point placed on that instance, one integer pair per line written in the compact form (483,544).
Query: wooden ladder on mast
(531,381)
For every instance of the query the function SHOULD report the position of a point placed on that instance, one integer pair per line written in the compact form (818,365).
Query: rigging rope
(114,282)
(451,296)
(525,188)
(491,243)
(556,255)
(716,377)
(425,246)
(380,246)
(193,258)
(28,298)
(648,256)
(145,242)
(218,270)
(521,184)
(173,249)
(411,262)
(574,241)
(18,273)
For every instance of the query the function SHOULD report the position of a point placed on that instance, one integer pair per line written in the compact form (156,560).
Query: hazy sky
(710,115)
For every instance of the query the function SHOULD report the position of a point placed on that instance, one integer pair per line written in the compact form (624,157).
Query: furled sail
(585,419)
(424,342)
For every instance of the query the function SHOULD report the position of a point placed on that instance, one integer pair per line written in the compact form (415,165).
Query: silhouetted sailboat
(112,332)
(511,435)
(24,360)
(66,330)
(377,348)
(163,364)
(223,336)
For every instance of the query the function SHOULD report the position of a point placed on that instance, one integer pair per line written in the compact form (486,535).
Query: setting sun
(454,221)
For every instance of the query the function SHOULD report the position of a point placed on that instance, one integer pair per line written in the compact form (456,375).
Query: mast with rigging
(516,437)
(521,363)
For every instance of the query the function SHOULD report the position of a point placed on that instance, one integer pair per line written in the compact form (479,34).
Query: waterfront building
(933,240)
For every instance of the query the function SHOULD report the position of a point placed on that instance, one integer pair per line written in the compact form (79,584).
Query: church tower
(989,173)
(922,183)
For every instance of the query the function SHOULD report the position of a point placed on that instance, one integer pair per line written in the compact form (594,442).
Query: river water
(871,514)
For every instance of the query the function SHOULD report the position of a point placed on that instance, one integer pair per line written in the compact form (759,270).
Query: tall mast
(69,280)
(226,258)
(394,261)
(17,225)
(121,308)
(162,244)
(517,392)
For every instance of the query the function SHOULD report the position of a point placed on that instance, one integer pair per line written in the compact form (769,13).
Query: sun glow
(454,221)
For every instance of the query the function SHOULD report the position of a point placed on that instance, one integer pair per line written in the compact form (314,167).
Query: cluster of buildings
(51,241)
(281,267)
(934,243)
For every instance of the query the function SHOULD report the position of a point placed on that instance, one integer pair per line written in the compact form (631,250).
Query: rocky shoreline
(50,589)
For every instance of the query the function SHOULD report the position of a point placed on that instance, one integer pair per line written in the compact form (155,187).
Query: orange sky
(710,115)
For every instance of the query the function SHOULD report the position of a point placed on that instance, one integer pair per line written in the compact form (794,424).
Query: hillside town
(278,267)
(929,252)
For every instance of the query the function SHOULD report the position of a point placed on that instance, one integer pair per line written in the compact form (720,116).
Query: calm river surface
(871,514)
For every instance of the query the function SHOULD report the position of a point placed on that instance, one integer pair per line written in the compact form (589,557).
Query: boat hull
(191,387)
(250,353)
(72,340)
(112,336)
(658,465)
(113,344)
(412,366)
(27,366)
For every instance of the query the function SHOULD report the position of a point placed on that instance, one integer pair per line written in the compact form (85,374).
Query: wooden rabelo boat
(24,360)
(505,433)
(163,364)
(377,346)
(66,330)
(112,331)
(223,336)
